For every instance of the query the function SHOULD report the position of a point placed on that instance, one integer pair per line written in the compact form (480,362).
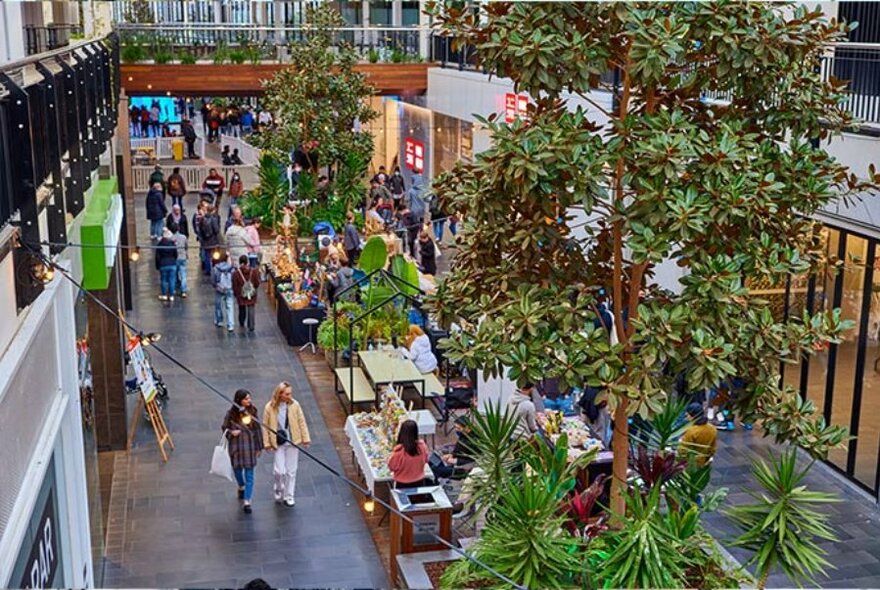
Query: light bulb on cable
(369,505)
(135,254)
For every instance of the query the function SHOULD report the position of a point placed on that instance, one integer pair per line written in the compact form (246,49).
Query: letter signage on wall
(515,106)
(39,559)
(414,154)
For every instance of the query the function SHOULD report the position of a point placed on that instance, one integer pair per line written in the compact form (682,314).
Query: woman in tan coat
(284,415)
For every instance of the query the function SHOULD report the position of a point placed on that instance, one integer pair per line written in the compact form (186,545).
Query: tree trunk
(620,464)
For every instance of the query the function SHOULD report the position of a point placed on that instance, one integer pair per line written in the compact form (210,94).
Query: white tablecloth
(371,475)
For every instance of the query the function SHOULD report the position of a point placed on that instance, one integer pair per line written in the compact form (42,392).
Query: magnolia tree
(320,101)
(726,188)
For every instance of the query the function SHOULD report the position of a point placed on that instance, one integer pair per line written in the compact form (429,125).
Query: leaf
(374,255)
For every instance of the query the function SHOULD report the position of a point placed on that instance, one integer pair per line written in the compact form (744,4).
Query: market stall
(293,308)
(372,436)
(581,440)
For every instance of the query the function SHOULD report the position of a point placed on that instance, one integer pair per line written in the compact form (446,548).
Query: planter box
(412,567)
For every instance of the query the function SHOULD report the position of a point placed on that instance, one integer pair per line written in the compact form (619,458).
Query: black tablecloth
(291,323)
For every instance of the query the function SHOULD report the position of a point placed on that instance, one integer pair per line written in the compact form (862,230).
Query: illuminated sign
(515,105)
(414,154)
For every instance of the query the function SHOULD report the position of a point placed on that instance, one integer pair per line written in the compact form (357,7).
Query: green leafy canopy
(725,188)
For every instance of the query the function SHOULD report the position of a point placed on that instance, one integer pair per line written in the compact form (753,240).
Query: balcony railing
(42,39)
(254,42)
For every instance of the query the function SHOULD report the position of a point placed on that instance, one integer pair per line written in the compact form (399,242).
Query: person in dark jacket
(209,229)
(462,456)
(189,136)
(156,211)
(245,274)
(412,225)
(427,254)
(245,443)
(177,217)
(166,262)
(158,177)
(351,239)
(397,186)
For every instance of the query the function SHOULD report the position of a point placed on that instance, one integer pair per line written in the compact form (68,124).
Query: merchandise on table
(580,437)
(377,431)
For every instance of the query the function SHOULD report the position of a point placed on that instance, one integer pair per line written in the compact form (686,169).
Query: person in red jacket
(409,457)
(215,183)
(245,296)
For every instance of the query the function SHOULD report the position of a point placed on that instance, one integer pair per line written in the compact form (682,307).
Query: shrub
(373,55)
(133,53)
(238,56)
(187,58)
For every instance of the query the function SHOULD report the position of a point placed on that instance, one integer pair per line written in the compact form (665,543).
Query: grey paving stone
(188,524)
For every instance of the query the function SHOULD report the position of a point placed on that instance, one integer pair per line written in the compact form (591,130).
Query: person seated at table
(460,459)
(409,457)
(523,407)
(418,350)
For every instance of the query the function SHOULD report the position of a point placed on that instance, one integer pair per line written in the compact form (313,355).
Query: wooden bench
(357,389)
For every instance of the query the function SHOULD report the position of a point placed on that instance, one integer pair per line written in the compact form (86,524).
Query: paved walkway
(180,526)
(856,519)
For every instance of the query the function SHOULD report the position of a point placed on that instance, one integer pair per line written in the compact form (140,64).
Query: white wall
(40,415)
(11,33)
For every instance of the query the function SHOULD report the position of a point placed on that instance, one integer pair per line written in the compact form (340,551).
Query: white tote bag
(221,463)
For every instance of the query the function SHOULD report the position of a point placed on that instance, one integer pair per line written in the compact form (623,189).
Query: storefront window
(796,303)
(868,445)
(823,302)
(853,277)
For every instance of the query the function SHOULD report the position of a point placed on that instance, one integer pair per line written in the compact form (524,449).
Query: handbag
(281,436)
(221,462)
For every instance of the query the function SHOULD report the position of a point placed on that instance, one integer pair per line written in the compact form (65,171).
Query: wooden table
(387,367)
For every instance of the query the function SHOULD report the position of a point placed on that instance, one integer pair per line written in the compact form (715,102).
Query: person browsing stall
(700,439)
(418,350)
(409,457)
(524,409)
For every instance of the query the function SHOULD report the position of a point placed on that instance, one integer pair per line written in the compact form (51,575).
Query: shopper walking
(255,248)
(351,240)
(214,183)
(237,238)
(245,285)
(166,263)
(158,177)
(156,211)
(285,423)
(189,136)
(180,241)
(397,186)
(176,188)
(236,190)
(427,253)
(409,457)
(209,228)
(224,298)
(245,443)
(177,217)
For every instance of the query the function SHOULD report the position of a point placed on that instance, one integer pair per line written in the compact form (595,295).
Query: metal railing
(193,176)
(249,154)
(149,148)
(41,39)
(256,42)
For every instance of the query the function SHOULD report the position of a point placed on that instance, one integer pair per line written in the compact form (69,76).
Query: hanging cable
(351,483)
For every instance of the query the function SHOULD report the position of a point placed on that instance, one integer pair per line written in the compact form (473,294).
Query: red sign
(515,105)
(414,154)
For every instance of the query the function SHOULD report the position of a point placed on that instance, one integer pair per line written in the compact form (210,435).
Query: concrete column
(424,35)
(108,368)
(365,11)
(11,22)
(396,13)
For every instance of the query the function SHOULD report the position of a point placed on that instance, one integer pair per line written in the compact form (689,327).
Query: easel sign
(141,368)
(144,375)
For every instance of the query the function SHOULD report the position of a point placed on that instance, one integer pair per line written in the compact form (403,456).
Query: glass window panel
(796,304)
(853,277)
(869,413)
(380,13)
(822,302)
(410,15)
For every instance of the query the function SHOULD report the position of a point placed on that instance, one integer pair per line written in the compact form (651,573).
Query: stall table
(375,471)
(290,321)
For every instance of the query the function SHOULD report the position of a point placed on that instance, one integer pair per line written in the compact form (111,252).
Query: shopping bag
(221,464)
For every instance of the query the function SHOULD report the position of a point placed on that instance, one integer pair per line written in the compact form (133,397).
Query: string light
(366,492)
(135,254)
(369,505)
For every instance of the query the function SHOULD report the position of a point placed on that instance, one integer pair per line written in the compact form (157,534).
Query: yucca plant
(647,552)
(269,197)
(784,524)
(665,428)
(493,451)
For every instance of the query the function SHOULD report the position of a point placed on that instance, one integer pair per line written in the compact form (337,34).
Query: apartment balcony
(40,39)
